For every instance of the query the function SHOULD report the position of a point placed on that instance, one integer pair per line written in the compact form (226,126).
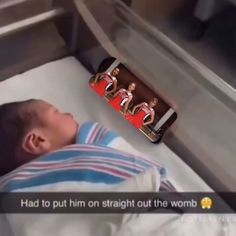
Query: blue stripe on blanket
(62,176)
(86,160)
(94,151)
(95,133)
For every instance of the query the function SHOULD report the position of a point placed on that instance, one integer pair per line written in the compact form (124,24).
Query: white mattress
(64,83)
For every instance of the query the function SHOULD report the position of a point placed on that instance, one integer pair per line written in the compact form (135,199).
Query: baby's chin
(77,124)
(75,134)
(77,127)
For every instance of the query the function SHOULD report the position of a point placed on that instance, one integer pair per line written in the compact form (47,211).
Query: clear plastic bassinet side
(205,132)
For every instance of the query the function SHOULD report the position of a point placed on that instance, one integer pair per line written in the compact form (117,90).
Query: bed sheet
(64,83)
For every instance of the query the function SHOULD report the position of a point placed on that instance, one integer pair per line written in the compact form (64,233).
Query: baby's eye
(56,110)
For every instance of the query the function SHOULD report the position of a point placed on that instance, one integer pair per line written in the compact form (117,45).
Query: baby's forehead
(39,105)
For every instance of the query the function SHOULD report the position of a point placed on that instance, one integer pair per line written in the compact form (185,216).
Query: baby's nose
(69,114)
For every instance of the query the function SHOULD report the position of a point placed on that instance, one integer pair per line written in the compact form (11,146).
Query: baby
(30,129)
(33,128)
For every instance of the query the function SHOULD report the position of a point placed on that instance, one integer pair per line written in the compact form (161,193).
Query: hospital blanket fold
(82,224)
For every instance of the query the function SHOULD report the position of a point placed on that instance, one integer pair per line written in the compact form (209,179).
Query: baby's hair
(16,119)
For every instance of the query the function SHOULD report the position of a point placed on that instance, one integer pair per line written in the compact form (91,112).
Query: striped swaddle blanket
(91,159)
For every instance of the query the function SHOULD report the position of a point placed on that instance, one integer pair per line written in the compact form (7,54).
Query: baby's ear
(35,143)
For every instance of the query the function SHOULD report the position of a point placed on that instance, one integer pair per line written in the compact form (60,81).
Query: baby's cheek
(73,125)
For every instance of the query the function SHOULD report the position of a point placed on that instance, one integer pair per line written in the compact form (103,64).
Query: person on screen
(142,114)
(105,83)
(122,98)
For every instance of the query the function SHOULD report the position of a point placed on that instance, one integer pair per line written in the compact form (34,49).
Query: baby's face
(59,127)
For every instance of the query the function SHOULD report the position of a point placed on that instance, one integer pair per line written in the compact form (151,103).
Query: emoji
(206,203)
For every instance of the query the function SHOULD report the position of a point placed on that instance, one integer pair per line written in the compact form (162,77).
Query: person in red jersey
(105,83)
(142,114)
(122,98)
